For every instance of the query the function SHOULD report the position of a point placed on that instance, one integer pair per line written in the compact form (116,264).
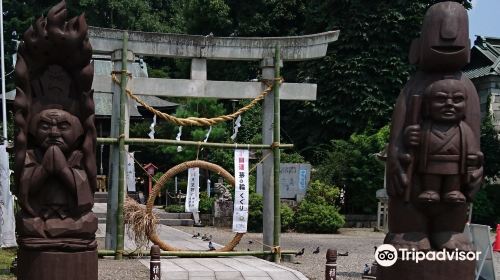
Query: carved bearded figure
(55,140)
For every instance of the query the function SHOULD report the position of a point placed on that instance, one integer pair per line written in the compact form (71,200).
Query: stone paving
(221,268)
(234,268)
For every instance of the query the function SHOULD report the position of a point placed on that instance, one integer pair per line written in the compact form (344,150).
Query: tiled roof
(489,50)
(478,72)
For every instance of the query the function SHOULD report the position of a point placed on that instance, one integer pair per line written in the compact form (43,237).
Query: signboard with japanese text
(294,180)
(193,190)
(241,194)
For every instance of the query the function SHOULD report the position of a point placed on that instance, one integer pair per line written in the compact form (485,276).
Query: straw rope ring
(171,173)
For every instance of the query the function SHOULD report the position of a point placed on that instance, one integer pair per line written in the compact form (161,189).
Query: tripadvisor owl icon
(386,255)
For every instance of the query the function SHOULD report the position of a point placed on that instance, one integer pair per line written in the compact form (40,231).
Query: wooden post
(155,263)
(331,265)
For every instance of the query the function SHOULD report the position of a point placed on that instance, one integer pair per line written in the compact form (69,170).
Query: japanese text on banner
(130,172)
(240,215)
(193,190)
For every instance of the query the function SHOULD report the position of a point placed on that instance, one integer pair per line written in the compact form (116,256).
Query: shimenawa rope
(195,121)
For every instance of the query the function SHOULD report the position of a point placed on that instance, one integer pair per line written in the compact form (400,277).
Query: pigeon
(301,252)
(211,246)
(207,238)
(196,235)
(343,254)
(366,270)
(316,251)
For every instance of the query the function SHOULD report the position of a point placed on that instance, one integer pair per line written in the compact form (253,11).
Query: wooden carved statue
(55,167)
(434,164)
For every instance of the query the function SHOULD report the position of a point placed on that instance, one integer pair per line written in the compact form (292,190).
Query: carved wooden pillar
(434,164)
(55,168)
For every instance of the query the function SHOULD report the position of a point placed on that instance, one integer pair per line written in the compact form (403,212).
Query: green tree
(353,165)
(486,210)
(138,15)
(363,72)
(490,146)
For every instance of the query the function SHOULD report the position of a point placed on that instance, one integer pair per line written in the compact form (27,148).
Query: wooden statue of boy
(434,163)
(55,141)
(448,153)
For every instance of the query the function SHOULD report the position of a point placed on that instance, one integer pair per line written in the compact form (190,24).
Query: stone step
(100,197)
(100,215)
(165,215)
(176,222)
(166,222)
(101,194)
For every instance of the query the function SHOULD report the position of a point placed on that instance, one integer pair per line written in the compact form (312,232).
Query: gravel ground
(358,242)
(110,269)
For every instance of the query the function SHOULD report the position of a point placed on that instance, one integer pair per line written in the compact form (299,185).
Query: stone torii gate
(199,49)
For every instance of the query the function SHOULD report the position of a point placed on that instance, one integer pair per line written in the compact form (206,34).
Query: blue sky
(484,18)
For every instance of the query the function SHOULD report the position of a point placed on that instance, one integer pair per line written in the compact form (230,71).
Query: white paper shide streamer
(130,172)
(237,125)
(7,226)
(193,190)
(241,194)
(151,133)
(207,135)
(178,138)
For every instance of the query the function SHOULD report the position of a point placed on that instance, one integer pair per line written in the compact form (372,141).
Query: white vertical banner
(193,190)
(7,225)
(130,172)
(241,194)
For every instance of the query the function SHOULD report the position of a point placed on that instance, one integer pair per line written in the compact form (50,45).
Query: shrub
(255,213)
(287,217)
(483,209)
(486,209)
(256,210)
(206,203)
(320,192)
(174,208)
(318,218)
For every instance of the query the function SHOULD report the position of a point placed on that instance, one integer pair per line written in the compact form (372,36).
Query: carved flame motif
(55,168)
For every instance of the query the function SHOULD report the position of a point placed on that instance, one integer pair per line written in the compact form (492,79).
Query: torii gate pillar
(267,66)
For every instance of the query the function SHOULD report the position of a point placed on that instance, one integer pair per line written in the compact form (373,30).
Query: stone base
(56,265)
(428,270)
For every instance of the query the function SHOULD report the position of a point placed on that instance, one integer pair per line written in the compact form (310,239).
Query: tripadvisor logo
(386,255)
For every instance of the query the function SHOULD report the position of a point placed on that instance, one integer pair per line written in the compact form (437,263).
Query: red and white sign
(241,194)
